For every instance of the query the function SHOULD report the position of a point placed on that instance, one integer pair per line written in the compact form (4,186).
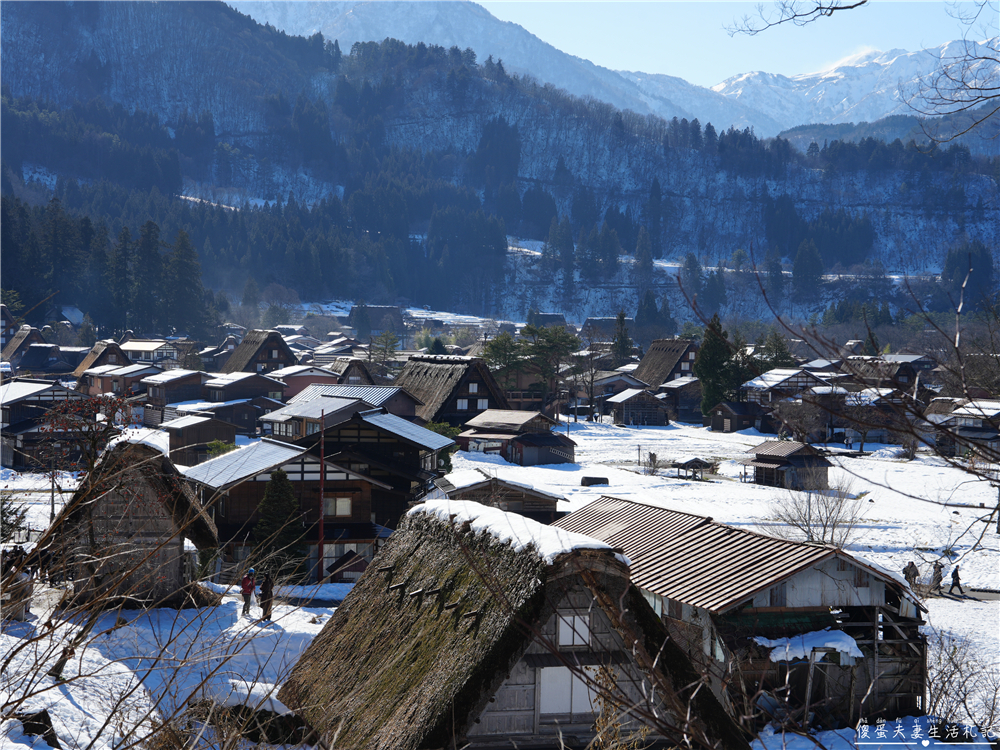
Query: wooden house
(451,389)
(480,486)
(8,326)
(788,464)
(969,426)
(638,407)
(24,404)
(473,629)
(107,352)
(142,511)
(521,437)
(46,359)
(386,448)
(779,383)
(17,345)
(877,372)
(550,320)
(297,377)
(243,413)
(683,399)
(350,371)
(260,351)
(190,436)
(169,387)
(160,352)
(233,484)
(733,416)
(719,587)
(125,381)
(308,417)
(603,329)
(214,358)
(666,360)
(392,398)
(232,386)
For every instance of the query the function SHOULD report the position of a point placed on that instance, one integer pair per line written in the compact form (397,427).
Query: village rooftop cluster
(473,607)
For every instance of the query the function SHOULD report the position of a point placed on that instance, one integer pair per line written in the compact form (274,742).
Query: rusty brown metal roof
(783,448)
(693,559)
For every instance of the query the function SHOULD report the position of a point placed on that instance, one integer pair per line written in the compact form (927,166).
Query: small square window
(690,355)
(574,630)
(274,354)
(484,403)
(463,404)
(337,506)
(473,387)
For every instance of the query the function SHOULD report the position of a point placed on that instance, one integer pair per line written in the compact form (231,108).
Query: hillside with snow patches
(866,87)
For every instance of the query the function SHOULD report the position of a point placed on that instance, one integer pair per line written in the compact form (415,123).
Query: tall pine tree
(278,532)
(711,366)
(185,296)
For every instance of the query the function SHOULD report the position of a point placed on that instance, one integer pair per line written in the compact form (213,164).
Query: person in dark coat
(247,586)
(266,596)
(956,581)
(936,577)
(911,573)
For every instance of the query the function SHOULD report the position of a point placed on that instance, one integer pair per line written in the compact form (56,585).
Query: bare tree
(827,516)
(790,11)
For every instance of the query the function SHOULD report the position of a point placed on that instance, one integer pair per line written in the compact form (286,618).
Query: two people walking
(248,587)
(911,573)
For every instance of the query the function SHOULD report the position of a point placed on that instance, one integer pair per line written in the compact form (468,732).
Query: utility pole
(322,496)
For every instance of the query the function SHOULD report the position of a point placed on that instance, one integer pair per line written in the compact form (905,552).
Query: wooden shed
(788,464)
(522,437)
(475,628)
(479,486)
(638,407)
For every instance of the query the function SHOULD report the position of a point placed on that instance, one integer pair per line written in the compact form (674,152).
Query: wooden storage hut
(522,437)
(474,627)
(638,407)
(508,495)
(733,416)
(788,464)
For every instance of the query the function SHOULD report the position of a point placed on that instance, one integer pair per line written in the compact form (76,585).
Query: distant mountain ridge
(863,88)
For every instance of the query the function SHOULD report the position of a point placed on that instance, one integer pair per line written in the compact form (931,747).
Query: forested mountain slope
(408,162)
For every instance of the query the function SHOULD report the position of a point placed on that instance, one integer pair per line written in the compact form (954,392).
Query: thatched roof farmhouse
(478,626)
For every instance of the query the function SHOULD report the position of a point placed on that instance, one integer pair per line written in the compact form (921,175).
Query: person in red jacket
(248,584)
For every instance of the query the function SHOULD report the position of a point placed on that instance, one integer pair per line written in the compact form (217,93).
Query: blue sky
(688,39)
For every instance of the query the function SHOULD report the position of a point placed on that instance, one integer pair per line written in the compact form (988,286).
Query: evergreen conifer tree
(711,366)
(807,272)
(621,346)
(278,532)
(147,279)
(185,296)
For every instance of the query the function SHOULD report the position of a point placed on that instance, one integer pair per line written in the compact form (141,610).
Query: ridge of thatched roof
(434,378)
(660,360)
(95,353)
(440,618)
(127,463)
(17,341)
(245,354)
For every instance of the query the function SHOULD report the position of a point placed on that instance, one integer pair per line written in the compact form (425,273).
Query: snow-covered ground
(172,654)
(147,668)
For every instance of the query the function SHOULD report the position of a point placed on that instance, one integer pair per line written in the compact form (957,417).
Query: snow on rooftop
(156,439)
(512,528)
(800,646)
(167,375)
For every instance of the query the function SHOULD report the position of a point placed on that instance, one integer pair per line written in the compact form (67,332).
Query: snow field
(131,677)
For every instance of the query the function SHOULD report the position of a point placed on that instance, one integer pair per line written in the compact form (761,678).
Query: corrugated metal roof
(624,395)
(313,409)
(168,375)
(101,370)
(780,448)
(18,390)
(181,422)
(506,419)
(689,558)
(243,463)
(376,395)
(408,431)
